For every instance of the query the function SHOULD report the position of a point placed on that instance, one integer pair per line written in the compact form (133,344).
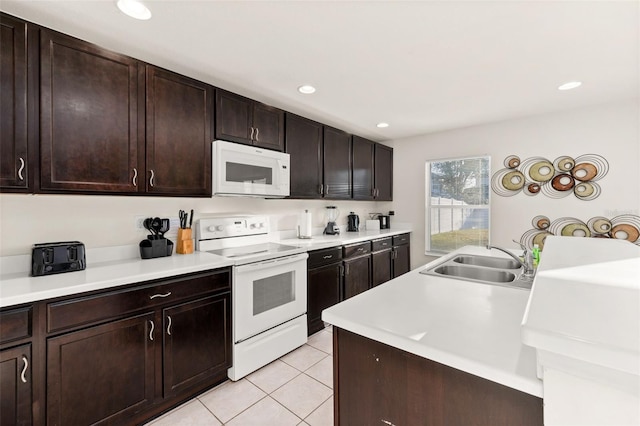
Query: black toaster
(54,258)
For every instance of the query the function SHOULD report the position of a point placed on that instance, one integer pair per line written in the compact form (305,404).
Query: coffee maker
(332,216)
(353,222)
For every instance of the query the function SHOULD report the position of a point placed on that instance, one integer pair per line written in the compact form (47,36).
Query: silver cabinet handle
(257,133)
(151,331)
(328,256)
(360,248)
(326,190)
(135,177)
(24,369)
(251,137)
(169,326)
(20,176)
(167,294)
(342,270)
(151,178)
(321,189)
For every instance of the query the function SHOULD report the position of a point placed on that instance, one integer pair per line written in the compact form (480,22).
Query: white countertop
(18,287)
(469,326)
(114,266)
(326,241)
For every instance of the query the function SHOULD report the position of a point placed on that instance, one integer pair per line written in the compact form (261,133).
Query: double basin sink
(484,269)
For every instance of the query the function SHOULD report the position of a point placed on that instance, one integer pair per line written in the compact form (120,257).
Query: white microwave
(243,170)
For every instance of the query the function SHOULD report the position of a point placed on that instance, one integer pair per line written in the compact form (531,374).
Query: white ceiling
(422,66)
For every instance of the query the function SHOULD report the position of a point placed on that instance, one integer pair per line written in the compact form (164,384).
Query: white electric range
(269,289)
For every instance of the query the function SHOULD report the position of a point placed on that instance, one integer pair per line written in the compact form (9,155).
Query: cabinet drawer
(15,324)
(382,244)
(324,256)
(358,249)
(401,239)
(86,310)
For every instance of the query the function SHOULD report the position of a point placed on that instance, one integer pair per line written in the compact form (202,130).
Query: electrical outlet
(139,222)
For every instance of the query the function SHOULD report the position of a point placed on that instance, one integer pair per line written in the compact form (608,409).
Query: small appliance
(248,171)
(54,258)
(384,221)
(332,216)
(353,222)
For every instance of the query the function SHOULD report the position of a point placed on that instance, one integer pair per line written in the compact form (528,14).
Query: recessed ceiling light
(134,9)
(382,125)
(306,89)
(570,85)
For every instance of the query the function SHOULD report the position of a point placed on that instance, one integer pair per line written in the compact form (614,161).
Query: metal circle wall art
(555,179)
(624,227)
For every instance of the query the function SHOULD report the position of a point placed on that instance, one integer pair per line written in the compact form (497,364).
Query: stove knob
(261,225)
(252,226)
(215,228)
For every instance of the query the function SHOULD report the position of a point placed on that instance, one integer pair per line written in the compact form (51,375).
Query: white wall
(611,131)
(102,221)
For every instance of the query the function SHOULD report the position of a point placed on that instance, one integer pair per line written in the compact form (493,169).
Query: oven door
(268,293)
(250,171)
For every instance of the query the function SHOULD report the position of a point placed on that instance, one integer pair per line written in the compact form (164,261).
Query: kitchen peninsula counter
(468,326)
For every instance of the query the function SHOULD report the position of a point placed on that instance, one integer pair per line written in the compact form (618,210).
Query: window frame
(428,251)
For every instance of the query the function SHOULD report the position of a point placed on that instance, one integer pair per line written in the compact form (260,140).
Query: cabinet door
(102,374)
(401,260)
(381,268)
(383,173)
(323,291)
(357,276)
(337,164)
(88,117)
(179,122)
(304,145)
(14,159)
(268,125)
(197,341)
(362,150)
(234,115)
(15,386)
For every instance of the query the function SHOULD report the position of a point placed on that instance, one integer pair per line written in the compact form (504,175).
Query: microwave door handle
(278,180)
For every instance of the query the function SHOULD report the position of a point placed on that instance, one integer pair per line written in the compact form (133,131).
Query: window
(457,203)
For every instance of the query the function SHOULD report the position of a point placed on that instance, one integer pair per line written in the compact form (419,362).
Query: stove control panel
(225,227)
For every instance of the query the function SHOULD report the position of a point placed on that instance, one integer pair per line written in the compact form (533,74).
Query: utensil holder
(185,242)
(155,247)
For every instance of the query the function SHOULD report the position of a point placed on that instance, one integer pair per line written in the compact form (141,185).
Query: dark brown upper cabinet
(383,173)
(88,117)
(304,144)
(362,172)
(179,121)
(14,153)
(243,120)
(337,164)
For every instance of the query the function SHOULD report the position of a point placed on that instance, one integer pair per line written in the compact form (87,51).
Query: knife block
(185,242)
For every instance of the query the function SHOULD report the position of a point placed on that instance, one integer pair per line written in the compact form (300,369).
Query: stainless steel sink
(488,261)
(482,269)
(480,274)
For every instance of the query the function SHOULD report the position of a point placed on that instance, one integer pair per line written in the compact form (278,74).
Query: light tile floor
(296,389)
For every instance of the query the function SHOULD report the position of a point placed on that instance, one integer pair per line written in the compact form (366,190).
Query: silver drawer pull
(167,294)
(360,248)
(169,326)
(135,177)
(24,369)
(329,256)
(20,176)
(151,331)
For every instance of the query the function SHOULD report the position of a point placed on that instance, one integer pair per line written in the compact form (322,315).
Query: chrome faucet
(528,271)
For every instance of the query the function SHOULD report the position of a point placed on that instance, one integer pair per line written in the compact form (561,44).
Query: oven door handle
(271,262)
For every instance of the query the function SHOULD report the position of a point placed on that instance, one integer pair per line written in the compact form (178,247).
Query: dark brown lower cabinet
(401,260)
(15,386)
(382,267)
(357,275)
(323,291)
(378,384)
(194,333)
(102,374)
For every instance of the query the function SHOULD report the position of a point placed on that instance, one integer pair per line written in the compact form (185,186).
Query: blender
(332,216)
